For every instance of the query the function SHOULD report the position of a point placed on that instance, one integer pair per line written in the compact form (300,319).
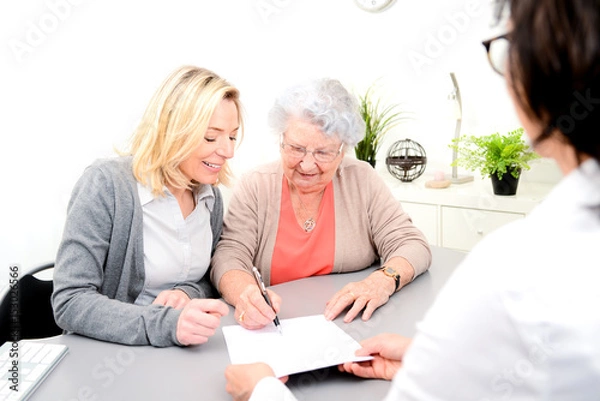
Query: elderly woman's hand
(251,309)
(368,294)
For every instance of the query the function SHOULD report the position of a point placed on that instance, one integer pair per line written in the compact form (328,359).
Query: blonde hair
(174,124)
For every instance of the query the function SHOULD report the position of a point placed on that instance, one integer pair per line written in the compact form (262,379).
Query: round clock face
(374,5)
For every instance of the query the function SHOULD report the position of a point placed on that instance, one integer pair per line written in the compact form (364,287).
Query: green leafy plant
(494,154)
(379,120)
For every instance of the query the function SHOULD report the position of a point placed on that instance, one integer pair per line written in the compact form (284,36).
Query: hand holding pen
(263,290)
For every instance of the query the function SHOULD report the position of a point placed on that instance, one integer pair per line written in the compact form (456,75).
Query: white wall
(76,76)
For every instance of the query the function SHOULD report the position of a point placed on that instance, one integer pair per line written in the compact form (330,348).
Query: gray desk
(96,370)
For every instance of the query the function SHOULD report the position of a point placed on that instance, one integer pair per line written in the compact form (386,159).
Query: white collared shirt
(175,249)
(519,318)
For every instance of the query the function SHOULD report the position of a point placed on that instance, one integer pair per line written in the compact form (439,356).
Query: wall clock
(374,6)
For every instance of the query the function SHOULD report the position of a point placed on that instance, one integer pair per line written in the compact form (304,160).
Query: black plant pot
(507,185)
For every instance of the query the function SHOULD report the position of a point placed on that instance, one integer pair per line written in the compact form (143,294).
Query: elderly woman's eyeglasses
(497,52)
(320,155)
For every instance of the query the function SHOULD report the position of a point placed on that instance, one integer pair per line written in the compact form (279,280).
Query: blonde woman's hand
(174,298)
(368,294)
(199,320)
(251,309)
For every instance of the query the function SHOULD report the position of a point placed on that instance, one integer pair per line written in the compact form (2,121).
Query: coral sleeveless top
(298,253)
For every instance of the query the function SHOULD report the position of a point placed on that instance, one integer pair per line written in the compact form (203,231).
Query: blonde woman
(133,264)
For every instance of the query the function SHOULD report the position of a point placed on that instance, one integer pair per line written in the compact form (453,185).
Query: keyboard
(24,365)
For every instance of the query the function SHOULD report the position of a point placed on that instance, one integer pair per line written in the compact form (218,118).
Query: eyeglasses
(298,152)
(497,52)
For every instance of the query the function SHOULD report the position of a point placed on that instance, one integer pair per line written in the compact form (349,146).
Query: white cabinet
(459,216)
(462,228)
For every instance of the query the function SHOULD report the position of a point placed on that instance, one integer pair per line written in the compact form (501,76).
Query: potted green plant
(500,157)
(378,120)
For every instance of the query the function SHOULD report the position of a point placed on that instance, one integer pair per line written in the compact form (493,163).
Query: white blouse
(176,250)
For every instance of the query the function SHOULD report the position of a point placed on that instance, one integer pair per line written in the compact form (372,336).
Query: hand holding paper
(242,379)
(388,352)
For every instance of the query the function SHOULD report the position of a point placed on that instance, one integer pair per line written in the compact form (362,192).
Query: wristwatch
(391,272)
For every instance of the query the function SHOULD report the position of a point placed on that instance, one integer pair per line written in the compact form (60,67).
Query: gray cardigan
(99,270)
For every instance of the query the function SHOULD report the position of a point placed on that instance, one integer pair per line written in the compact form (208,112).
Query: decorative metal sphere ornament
(406,160)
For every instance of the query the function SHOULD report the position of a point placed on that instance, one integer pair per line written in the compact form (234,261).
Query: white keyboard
(26,366)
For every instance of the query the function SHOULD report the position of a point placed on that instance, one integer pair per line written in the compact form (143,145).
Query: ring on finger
(352,295)
(241,318)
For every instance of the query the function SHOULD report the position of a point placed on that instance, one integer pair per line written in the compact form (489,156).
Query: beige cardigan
(369,223)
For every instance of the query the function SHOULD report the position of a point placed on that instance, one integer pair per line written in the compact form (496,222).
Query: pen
(263,290)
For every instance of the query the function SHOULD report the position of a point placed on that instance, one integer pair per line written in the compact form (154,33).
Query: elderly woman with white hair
(315,212)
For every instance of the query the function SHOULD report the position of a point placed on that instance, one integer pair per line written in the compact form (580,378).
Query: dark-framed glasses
(320,155)
(497,52)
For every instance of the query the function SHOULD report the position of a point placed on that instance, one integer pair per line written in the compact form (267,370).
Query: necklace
(310,223)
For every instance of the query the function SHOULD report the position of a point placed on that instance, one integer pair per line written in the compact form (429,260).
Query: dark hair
(554,63)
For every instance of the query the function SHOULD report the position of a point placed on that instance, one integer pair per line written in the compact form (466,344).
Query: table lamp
(454,96)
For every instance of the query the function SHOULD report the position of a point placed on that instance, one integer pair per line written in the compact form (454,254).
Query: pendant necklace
(310,223)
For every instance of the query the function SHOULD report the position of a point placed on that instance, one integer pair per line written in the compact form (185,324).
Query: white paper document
(307,343)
